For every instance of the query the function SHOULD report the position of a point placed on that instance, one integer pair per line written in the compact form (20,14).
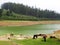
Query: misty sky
(42,4)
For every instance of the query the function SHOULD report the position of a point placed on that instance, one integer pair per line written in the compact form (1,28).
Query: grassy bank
(39,42)
(32,42)
(5,43)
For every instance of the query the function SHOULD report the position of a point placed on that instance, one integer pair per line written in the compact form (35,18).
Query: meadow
(31,42)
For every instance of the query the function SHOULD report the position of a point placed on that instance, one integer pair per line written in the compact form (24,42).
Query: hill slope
(6,15)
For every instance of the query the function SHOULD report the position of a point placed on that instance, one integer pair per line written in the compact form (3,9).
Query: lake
(30,30)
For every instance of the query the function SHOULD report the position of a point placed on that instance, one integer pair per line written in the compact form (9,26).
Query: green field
(31,42)
(39,42)
(5,43)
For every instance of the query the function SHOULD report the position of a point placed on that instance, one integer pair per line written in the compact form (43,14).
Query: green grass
(16,16)
(5,43)
(31,42)
(39,42)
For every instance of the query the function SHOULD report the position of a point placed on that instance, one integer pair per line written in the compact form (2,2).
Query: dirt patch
(57,32)
(25,23)
(7,37)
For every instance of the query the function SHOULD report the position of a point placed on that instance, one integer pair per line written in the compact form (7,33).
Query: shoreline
(26,23)
(22,37)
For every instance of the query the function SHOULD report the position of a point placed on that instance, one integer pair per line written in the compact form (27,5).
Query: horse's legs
(35,36)
(44,38)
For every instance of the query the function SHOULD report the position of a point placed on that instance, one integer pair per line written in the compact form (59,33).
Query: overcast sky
(42,4)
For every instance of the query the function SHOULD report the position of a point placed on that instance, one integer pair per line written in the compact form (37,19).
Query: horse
(52,37)
(36,35)
(43,35)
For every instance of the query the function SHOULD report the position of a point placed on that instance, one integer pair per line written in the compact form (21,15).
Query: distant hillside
(14,16)
(15,11)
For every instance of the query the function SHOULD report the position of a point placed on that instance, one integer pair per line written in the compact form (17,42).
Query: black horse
(36,35)
(43,35)
(52,37)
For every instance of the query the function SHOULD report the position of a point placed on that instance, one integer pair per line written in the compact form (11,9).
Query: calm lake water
(44,28)
(30,30)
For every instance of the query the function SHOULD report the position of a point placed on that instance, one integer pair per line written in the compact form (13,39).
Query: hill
(24,12)
(7,15)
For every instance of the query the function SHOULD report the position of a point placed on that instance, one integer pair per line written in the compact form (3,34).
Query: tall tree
(1,10)
(26,10)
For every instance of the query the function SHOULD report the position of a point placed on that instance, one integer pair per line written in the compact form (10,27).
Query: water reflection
(46,29)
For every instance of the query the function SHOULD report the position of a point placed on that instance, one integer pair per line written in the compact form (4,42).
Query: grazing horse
(43,35)
(52,37)
(36,35)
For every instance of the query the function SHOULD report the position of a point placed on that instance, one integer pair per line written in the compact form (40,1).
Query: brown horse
(36,35)
(43,35)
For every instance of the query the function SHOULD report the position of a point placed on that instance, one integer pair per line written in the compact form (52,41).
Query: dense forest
(13,11)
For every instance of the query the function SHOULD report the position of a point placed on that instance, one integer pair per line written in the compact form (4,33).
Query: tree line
(29,11)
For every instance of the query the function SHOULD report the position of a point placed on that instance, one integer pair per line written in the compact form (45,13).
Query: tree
(9,13)
(1,10)
(30,11)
